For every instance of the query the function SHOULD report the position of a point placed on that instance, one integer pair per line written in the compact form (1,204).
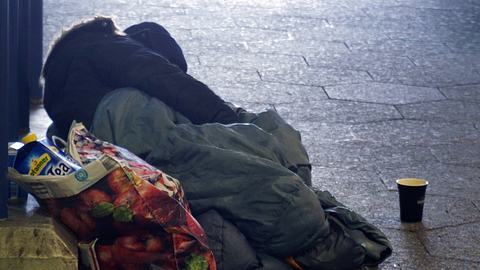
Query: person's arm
(121,62)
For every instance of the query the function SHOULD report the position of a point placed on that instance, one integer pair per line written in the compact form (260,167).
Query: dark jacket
(94,58)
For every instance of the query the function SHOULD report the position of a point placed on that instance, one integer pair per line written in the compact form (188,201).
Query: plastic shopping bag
(126,213)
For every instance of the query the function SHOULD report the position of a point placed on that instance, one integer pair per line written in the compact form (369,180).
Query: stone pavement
(380,89)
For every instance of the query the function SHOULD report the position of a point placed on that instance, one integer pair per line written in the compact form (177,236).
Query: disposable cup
(411,192)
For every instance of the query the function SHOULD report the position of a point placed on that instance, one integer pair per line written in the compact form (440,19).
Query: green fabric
(242,171)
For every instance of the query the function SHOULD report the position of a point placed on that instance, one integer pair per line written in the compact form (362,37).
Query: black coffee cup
(411,192)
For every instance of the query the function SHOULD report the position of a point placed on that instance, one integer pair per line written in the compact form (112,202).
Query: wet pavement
(380,89)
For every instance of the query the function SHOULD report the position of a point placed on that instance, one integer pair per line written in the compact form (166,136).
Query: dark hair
(98,24)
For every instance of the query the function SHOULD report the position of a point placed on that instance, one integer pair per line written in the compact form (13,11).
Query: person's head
(158,39)
(98,24)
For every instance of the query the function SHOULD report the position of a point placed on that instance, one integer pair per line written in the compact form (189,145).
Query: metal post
(19,91)
(4,185)
(35,49)
(12,72)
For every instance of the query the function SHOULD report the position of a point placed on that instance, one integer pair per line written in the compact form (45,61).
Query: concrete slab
(265,92)
(366,61)
(458,154)
(341,183)
(279,22)
(222,76)
(464,92)
(398,47)
(314,76)
(240,34)
(442,111)
(298,46)
(383,93)
(250,60)
(367,157)
(415,133)
(454,242)
(336,111)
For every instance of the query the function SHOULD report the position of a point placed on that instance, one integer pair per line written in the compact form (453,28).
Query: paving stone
(192,59)
(448,61)
(188,4)
(218,76)
(207,8)
(116,6)
(414,76)
(383,210)
(314,76)
(303,9)
(460,242)
(262,5)
(447,111)
(428,34)
(413,261)
(299,46)
(443,4)
(383,93)
(200,46)
(430,77)
(347,34)
(154,8)
(380,24)
(467,18)
(389,156)
(274,93)
(239,34)
(366,61)
(458,154)
(276,22)
(324,132)
(193,22)
(409,253)
(341,183)
(414,133)
(68,7)
(447,180)
(337,111)
(340,156)
(472,46)
(477,204)
(450,69)
(412,14)
(249,60)
(398,47)
(405,243)
(464,92)
(363,156)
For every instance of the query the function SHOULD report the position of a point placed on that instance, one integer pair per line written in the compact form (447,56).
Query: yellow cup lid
(30,137)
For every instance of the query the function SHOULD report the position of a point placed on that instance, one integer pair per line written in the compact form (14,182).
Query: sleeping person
(246,175)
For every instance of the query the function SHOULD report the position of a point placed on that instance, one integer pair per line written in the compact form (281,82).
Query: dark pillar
(35,48)
(3,107)
(18,91)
